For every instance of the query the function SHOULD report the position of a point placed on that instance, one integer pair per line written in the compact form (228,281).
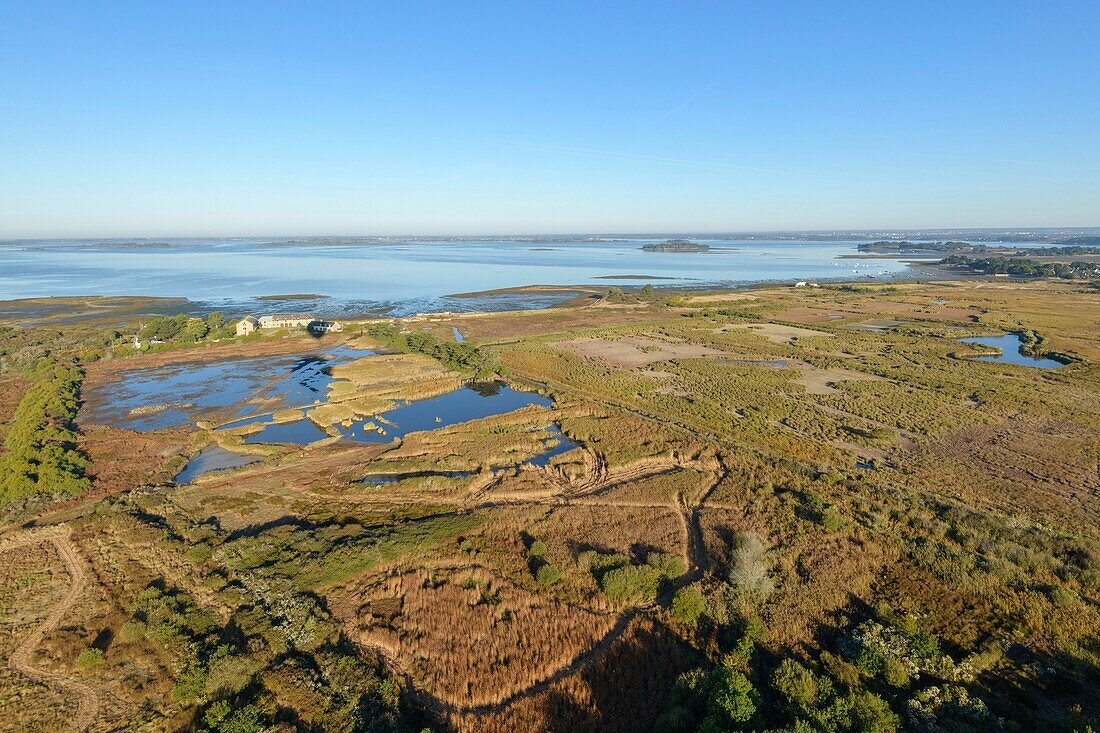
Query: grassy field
(789,509)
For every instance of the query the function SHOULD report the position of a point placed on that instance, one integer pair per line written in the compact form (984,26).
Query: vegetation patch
(40,448)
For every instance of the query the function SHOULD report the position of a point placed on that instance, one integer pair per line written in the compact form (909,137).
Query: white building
(247,325)
(286,320)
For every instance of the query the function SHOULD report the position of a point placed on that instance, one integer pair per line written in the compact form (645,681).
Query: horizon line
(698,233)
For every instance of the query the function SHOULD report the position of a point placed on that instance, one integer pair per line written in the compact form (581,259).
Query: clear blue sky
(197,118)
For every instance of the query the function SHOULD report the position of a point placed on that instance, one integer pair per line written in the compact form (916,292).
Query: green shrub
(832,521)
(190,683)
(460,357)
(90,657)
(733,700)
(668,565)
(840,670)
(538,548)
(228,675)
(1063,597)
(547,574)
(798,686)
(631,583)
(688,604)
(895,672)
(675,720)
(871,714)
(132,631)
(223,718)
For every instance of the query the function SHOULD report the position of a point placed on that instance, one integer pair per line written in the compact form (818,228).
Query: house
(247,325)
(319,326)
(286,320)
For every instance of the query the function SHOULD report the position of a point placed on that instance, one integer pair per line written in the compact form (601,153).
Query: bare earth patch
(820,381)
(636,351)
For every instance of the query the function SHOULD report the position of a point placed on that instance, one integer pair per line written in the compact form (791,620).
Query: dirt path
(20,659)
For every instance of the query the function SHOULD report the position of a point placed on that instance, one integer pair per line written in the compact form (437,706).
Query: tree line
(187,329)
(40,448)
(1023,267)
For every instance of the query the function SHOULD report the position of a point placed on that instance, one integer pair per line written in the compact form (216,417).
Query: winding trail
(20,660)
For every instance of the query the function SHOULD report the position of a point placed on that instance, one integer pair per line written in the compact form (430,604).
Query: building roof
(287,317)
(249,319)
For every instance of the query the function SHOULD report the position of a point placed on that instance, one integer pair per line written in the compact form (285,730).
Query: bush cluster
(40,455)
(625,582)
(187,329)
(460,357)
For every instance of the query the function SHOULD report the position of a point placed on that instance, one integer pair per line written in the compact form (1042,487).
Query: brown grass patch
(630,530)
(622,691)
(126,459)
(32,583)
(1034,467)
(721,298)
(468,636)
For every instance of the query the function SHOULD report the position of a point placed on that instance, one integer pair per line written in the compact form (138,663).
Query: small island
(675,245)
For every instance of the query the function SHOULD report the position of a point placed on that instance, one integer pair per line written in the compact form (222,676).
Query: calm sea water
(401,278)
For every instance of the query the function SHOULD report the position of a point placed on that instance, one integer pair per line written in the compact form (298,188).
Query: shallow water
(1010,345)
(180,394)
(468,403)
(458,335)
(299,432)
(564,445)
(213,458)
(359,278)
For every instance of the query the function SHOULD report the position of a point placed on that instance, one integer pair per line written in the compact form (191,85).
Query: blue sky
(234,118)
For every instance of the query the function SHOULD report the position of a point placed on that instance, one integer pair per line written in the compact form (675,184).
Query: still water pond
(472,402)
(178,394)
(213,458)
(1010,346)
(299,432)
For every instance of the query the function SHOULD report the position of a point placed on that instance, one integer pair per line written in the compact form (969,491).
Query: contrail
(686,102)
